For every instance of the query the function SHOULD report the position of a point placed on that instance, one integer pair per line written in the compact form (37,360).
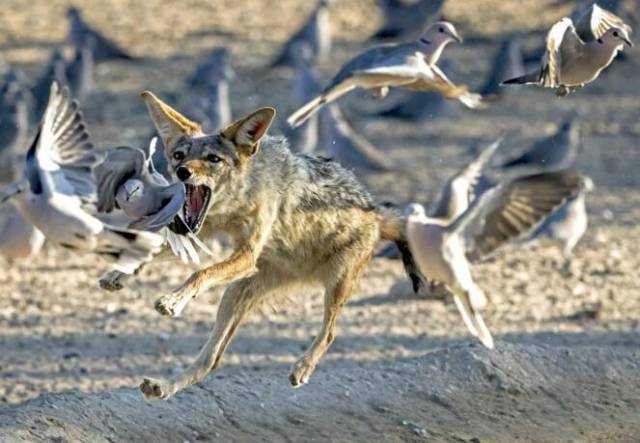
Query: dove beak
(457,37)
(628,42)
(13,190)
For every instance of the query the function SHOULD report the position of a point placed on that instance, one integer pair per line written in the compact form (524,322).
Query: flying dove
(81,34)
(19,239)
(316,31)
(402,19)
(576,54)
(406,65)
(127,179)
(444,249)
(349,148)
(58,184)
(569,222)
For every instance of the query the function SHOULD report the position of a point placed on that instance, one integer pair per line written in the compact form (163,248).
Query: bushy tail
(392,228)
(129,249)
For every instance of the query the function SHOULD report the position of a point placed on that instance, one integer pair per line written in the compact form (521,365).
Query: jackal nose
(183,173)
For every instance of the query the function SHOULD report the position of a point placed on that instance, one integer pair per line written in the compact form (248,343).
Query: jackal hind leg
(336,295)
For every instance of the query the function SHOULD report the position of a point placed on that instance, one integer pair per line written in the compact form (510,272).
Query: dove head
(615,37)
(414,210)
(436,37)
(133,189)
(73,12)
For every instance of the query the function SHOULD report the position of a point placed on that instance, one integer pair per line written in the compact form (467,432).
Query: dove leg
(240,298)
(336,295)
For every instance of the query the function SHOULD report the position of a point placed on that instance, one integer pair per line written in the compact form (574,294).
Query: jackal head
(212,167)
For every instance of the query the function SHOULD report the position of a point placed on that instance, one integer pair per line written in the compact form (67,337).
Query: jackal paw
(155,389)
(112,280)
(172,304)
(301,372)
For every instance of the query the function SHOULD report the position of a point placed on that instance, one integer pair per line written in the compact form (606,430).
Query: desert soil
(402,367)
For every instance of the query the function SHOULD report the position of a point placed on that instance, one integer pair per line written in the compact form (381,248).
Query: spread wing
(596,21)
(562,44)
(511,209)
(64,149)
(119,165)
(433,79)
(173,197)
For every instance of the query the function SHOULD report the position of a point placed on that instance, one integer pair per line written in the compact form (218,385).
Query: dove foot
(113,280)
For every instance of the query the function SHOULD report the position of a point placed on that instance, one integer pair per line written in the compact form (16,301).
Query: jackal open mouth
(196,205)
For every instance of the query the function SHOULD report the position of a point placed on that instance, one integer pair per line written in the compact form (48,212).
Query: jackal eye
(213,158)
(178,155)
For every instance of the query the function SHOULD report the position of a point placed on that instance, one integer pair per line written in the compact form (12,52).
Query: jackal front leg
(239,265)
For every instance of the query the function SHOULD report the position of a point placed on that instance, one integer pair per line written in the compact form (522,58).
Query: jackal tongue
(196,201)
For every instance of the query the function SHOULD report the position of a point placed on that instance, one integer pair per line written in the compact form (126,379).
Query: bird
(576,54)
(507,63)
(19,239)
(553,153)
(127,179)
(445,249)
(305,86)
(58,186)
(409,65)
(569,222)
(81,33)
(316,31)
(212,108)
(56,71)
(79,72)
(14,112)
(215,69)
(402,19)
(349,148)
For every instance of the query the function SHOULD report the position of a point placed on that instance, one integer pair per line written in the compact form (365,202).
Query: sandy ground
(60,332)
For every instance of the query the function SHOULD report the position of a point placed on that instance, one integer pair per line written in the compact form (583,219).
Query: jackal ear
(247,132)
(170,124)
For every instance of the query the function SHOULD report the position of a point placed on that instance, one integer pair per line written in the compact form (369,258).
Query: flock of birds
(123,205)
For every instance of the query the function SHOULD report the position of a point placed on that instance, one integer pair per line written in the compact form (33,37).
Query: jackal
(295,220)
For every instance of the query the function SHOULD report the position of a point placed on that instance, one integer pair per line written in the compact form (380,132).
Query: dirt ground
(59,331)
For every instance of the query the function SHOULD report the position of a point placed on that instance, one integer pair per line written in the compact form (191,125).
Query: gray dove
(343,144)
(304,138)
(553,153)
(81,34)
(56,71)
(214,70)
(14,113)
(79,72)
(19,239)
(575,55)
(507,63)
(444,249)
(406,65)
(402,19)
(127,180)
(316,31)
(58,186)
(569,222)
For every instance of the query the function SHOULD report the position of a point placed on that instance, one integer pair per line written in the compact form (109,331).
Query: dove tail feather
(306,111)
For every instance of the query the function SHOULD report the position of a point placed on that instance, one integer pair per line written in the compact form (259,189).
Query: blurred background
(58,330)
